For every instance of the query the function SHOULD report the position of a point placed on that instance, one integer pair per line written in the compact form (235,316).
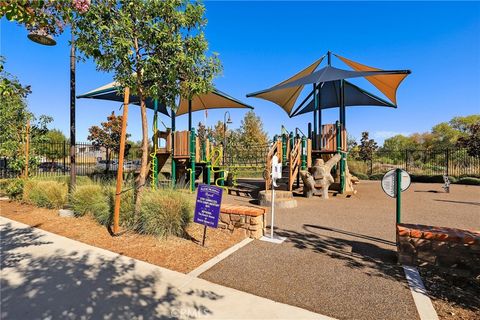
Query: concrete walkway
(46,276)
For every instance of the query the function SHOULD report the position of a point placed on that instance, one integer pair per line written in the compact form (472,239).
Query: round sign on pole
(388,182)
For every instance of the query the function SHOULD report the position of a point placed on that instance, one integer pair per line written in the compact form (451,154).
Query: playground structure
(324,141)
(298,152)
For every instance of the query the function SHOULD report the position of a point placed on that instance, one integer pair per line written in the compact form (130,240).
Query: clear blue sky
(263,43)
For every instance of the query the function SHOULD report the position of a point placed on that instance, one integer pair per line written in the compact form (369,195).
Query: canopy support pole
(342,126)
(121,154)
(319,147)
(315,132)
(174,165)
(189,114)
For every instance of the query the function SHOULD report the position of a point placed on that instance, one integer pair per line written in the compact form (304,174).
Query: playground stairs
(283,199)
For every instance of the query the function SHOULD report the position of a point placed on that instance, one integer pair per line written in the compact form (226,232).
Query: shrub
(127,208)
(469,180)
(377,176)
(3,185)
(165,212)
(91,199)
(81,180)
(360,175)
(48,194)
(14,189)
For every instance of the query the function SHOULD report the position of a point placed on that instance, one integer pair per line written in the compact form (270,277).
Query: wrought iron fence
(54,159)
(451,162)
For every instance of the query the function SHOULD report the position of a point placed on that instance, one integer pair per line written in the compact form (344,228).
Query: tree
(367,147)
(155,48)
(53,146)
(251,131)
(48,16)
(472,141)
(108,135)
(400,142)
(14,115)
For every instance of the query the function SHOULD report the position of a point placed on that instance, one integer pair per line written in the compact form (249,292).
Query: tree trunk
(140,182)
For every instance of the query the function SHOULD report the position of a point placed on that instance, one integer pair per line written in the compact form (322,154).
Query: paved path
(46,276)
(339,258)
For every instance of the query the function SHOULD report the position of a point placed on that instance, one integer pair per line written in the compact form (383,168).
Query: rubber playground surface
(339,257)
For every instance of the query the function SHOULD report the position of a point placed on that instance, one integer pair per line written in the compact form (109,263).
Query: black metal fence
(451,162)
(54,159)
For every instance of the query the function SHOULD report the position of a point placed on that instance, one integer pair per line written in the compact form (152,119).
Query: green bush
(81,180)
(469,180)
(14,189)
(91,199)
(165,212)
(431,179)
(377,176)
(127,208)
(3,185)
(48,194)
(360,175)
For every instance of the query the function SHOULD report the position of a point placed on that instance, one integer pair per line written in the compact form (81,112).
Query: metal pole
(192,159)
(315,132)
(398,184)
(174,165)
(329,58)
(73,169)
(189,114)
(340,139)
(27,148)
(304,153)
(118,189)
(224,136)
(273,210)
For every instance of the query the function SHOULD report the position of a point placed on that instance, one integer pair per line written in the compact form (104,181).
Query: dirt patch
(453,297)
(174,253)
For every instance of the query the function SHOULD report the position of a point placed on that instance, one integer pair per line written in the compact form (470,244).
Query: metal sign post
(394,182)
(276,174)
(207,207)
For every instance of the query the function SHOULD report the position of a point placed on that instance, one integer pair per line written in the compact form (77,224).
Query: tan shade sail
(212,100)
(286,97)
(387,84)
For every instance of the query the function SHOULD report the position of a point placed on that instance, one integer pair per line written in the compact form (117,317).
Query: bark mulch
(452,296)
(174,253)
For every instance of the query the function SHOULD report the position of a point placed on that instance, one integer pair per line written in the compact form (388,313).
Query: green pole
(398,184)
(192,159)
(284,148)
(174,165)
(342,125)
(290,136)
(315,132)
(208,165)
(304,153)
(342,160)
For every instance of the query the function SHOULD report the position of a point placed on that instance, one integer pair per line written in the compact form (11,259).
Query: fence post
(447,154)
(64,156)
(406,160)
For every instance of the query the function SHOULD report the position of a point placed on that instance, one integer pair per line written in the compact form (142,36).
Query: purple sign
(207,206)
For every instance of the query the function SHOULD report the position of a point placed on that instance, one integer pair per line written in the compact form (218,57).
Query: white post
(273,209)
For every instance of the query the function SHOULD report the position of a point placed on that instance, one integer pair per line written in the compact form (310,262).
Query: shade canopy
(286,97)
(111,92)
(285,94)
(329,97)
(387,84)
(211,100)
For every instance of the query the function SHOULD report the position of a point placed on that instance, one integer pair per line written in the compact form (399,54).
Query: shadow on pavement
(459,202)
(83,285)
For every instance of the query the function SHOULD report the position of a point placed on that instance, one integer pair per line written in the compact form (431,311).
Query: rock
(66,213)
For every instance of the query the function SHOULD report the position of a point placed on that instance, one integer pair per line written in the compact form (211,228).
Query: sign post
(276,174)
(207,207)
(394,182)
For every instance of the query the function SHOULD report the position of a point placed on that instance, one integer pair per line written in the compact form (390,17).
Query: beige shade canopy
(387,84)
(214,99)
(286,97)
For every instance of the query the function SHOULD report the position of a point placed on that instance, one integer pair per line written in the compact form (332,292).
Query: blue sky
(263,43)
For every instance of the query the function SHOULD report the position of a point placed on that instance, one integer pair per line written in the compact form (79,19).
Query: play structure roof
(387,81)
(286,97)
(211,100)
(110,92)
(214,99)
(329,97)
